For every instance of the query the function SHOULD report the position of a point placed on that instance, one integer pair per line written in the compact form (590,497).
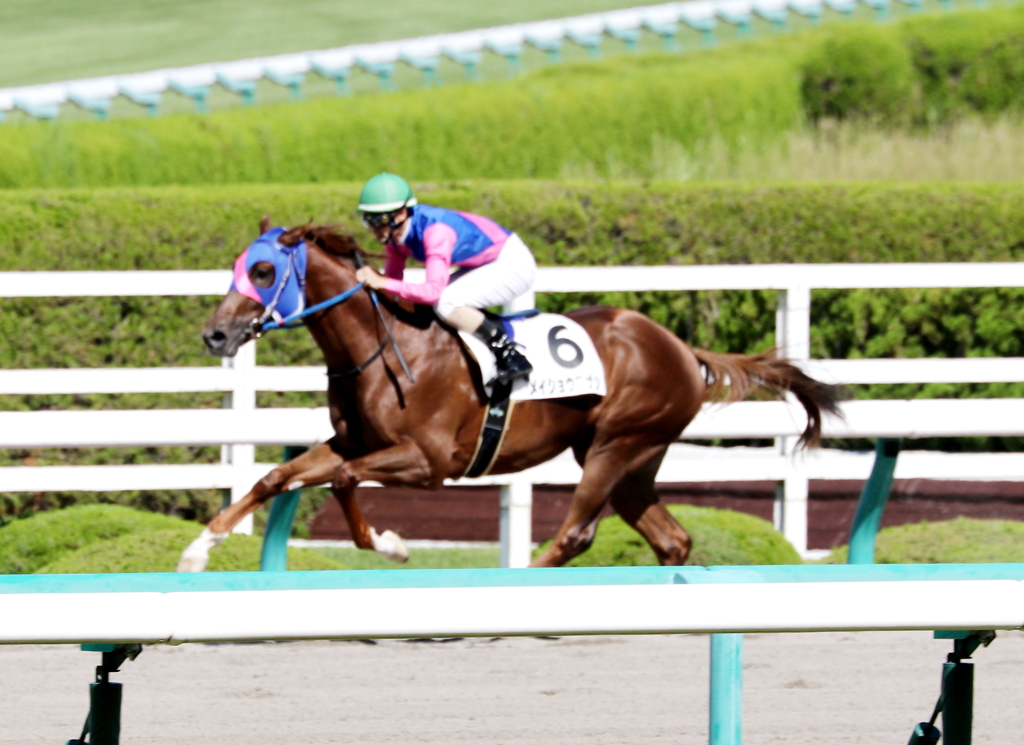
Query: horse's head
(269,282)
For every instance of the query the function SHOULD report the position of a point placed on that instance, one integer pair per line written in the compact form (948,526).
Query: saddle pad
(565,361)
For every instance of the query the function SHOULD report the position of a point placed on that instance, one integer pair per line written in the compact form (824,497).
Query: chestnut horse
(404,434)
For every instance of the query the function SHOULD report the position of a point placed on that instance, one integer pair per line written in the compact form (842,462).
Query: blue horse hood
(287,295)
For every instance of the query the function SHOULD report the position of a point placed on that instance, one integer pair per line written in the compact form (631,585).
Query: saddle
(565,363)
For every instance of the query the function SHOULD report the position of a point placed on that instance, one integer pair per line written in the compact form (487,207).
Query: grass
(970,150)
(721,537)
(159,551)
(419,558)
(959,541)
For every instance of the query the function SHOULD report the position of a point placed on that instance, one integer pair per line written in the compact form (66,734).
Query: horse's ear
(265,224)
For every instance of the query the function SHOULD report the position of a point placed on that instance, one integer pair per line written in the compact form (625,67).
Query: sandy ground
(816,689)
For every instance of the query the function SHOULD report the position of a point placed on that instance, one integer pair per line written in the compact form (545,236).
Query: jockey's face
(383,232)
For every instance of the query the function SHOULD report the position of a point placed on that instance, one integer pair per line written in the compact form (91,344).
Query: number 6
(554,343)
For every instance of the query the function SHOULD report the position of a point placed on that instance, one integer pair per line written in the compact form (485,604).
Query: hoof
(197,555)
(389,544)
(192,564)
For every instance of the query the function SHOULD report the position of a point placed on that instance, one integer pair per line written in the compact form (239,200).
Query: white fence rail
(238,615)
(242,426)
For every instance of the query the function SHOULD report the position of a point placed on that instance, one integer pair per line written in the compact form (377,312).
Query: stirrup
(512,365)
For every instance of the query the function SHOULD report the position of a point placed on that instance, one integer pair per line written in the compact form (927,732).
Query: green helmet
(385,192)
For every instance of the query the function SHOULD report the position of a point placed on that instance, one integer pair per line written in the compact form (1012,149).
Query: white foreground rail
(243,426)
(179,617)
(239,606)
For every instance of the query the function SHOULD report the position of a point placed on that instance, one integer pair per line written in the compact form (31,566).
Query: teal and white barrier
(248,606)
(112,613)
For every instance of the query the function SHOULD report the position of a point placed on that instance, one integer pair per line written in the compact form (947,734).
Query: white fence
(253,606)
(242,426)
(180,617)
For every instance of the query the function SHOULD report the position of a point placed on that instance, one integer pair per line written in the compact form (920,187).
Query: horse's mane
(344,246)
(328,238)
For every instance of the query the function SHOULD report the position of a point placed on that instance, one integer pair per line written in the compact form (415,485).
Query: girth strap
(493,431)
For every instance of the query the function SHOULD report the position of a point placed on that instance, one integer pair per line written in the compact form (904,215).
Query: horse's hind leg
(637,502)
(316,466)
(607,469)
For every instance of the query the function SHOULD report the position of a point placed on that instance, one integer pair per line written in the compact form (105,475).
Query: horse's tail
(733,377)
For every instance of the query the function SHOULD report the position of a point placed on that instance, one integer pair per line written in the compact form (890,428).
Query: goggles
(377,219)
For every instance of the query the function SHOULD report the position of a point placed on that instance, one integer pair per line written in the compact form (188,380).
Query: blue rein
(292,321)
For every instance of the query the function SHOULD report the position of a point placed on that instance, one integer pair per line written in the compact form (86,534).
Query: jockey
(494,265)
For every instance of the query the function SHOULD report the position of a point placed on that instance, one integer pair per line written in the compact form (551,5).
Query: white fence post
(516,527)
(241,457)
(793,338)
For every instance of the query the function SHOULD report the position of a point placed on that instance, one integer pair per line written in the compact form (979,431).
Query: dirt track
(800,689)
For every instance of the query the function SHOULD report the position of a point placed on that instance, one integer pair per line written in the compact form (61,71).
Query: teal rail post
(103,725)
(726,709)
(274,557)
(958,707)
(872,502)
(956,700)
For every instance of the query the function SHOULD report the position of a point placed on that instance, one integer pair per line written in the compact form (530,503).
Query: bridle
(261,325)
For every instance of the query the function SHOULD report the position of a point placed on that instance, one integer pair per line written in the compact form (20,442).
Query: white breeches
(497,283)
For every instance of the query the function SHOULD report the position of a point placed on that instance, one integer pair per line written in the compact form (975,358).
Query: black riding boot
(511,363)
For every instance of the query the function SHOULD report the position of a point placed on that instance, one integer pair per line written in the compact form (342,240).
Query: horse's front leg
(316,466)
(401,465)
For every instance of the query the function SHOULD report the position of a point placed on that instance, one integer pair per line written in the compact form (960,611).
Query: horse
(404,434)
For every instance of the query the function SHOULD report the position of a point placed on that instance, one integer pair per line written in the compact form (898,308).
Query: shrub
(959,541)
(968,63)
(159,551)
(96,538)
(859,72)
(26,545)
(720,537)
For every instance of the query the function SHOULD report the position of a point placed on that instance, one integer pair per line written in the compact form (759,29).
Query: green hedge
(859,71)
(523,128)
(972,66)
(607,224)
(924,70)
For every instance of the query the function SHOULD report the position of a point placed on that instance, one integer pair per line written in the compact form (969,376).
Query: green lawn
(49,40)
(419,558)
(959,541)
